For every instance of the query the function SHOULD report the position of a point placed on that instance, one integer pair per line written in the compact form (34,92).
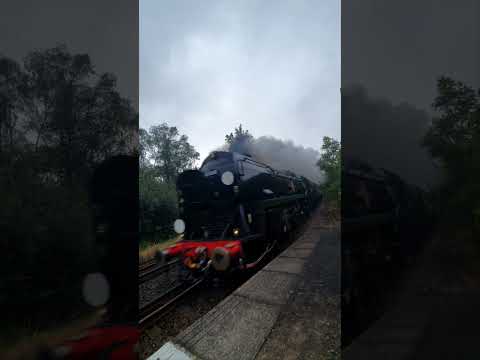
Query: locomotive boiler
(234,210)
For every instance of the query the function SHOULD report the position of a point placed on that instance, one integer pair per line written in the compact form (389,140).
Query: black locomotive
(234,210)
(385,222)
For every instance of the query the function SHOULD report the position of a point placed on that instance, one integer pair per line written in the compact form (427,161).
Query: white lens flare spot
(179,226)
(96,289)
(227,178)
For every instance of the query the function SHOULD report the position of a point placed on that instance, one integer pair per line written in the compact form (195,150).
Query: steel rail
(156,270)
(159,305)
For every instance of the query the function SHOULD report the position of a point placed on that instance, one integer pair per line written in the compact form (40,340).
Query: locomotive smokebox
(203,189)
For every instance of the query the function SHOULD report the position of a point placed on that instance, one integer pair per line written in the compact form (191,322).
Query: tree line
(164,153)
(59,119)
(453,140)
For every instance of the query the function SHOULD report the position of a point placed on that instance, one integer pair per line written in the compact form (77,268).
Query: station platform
(436,313)
(288,310)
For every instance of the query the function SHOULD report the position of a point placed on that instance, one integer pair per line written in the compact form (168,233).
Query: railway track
(147,264)
(165,283)
(154,269)
(150,312)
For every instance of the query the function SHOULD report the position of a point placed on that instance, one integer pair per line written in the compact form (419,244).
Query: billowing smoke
(280,155)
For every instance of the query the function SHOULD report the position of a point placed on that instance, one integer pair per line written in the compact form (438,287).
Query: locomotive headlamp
(179,226)
(227,178)
(236,231)
(220,259)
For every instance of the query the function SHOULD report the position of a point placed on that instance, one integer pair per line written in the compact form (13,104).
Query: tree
(167,151)
(59,119)
(330,164)
(72,116)
(454,140)
(454,134)
(239,135)
(158,203)
(164,153)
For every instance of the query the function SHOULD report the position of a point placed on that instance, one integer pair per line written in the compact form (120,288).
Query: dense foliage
(238,136)
(330,164)
(59,119)
(164,153)
(454,140)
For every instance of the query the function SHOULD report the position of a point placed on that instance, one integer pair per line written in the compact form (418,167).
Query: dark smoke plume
(385,135)
(280,155)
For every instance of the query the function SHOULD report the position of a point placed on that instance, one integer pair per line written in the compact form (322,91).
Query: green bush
(330,164)
(158,206)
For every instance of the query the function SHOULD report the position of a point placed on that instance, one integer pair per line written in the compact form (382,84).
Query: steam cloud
(281,155)
(386,135)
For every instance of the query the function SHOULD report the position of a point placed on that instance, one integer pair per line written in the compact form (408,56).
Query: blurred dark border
(68,172)
(410,145)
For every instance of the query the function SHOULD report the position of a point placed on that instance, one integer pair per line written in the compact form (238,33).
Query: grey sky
(106,30)
(398,49)
(273,66)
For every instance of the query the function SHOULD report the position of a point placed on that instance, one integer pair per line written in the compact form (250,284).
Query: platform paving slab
(268,287)
(308,326)
(296,253)
(235,332)
(288,265)
(436,314)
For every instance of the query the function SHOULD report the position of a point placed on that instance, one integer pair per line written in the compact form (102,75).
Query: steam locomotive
(385,222)
(235,210)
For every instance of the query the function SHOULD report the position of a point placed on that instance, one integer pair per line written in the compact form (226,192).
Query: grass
(148,250)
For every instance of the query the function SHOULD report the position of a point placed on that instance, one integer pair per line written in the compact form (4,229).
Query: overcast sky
(398,49)
(27,25)
(273,66)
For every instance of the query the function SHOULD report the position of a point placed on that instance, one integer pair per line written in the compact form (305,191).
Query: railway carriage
(234,210)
